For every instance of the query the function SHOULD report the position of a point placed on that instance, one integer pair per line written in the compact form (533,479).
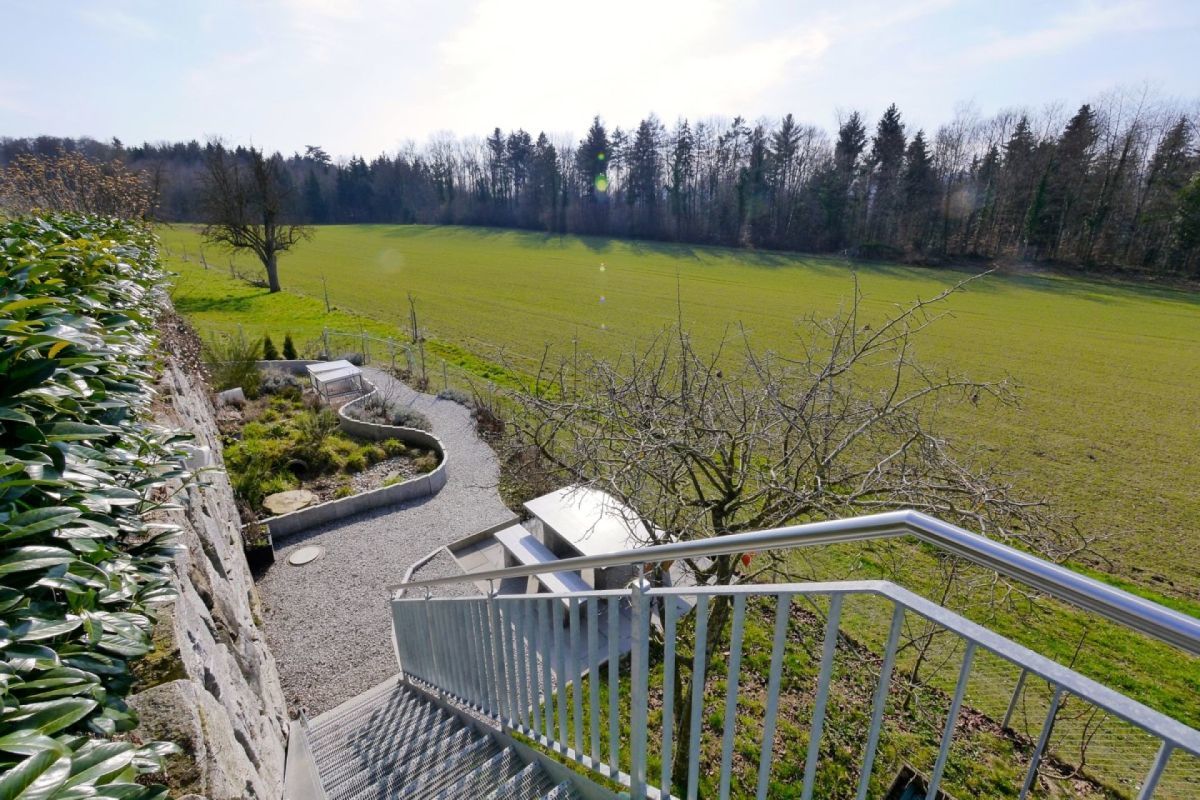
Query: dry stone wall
(212,684)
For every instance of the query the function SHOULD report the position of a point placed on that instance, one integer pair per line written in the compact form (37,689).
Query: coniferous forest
(1114,184)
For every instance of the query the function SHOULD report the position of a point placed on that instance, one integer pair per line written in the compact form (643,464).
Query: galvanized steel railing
(1064,584)
(533,663)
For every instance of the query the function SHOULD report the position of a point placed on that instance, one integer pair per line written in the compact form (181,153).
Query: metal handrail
(1136,613)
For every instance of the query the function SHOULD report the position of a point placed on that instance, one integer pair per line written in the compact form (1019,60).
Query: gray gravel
(442,565)
(328,622)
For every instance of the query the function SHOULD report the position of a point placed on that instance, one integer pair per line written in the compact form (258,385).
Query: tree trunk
(272,265)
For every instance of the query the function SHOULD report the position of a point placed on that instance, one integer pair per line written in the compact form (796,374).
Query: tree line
(1116,184)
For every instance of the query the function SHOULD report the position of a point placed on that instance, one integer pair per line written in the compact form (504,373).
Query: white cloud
(518,62)
(1067,30)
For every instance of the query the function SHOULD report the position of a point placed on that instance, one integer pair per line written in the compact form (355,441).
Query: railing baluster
(437,616)
(731,693)
(462,633)
(879,704)
(614,693)
(518,663)
(639,690)
(783,607)
(1047,727)
(560,672)
(499,663)
(464,615)
(485,646)
(534,692)
(964,674)
(823,680)
(593,618)
(575,669)
(1016,697)
(698,663)
(509,683)
(670,612)
(479,662)
(1156,771)
(544,622)
(430,664)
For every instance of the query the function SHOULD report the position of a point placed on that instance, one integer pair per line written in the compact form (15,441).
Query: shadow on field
(1095,288)
(186,304)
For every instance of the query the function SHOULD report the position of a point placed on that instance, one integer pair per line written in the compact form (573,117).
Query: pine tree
(315,208)
(683,165)
(591,165)
(920,191)
(269,351)
(887,160)
(1059,206)
(289,348)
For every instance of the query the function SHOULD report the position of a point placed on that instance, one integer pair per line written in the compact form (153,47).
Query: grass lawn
(1110,377)
(1110,373)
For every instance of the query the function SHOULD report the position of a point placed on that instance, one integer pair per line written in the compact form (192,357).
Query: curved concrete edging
(421,486)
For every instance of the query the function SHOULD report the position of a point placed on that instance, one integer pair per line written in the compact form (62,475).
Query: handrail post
(639,678)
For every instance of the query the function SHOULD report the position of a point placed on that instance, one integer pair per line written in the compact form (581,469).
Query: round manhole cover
(305,555)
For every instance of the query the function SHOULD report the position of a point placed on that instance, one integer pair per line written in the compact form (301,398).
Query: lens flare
(601,183)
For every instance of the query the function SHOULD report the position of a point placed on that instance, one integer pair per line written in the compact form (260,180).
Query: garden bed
(284,440)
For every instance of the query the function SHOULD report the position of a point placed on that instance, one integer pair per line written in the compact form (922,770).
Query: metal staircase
(397,742)
(481,676)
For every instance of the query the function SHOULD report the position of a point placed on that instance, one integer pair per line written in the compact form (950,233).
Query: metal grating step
(564,791)
(407,759)
(371,758)
(528,784)
(440,773)
(397,743)
(486,777)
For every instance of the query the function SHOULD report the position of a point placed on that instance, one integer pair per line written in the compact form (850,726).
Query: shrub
(374,453)
(232,361)
(289,349)
(394,447)
(457,396)
(274,381)
(408,418)
(84,568)
(354,358)
(312,429)
(343,490)
(355,462)
(426,463)
(268,349)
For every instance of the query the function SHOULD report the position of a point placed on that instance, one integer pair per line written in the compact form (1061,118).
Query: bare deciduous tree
(738,440)
(245,199)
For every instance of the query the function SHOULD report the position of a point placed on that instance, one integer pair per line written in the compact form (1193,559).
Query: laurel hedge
(81,468)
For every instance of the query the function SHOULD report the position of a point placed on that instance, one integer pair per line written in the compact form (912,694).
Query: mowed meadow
(1109,373)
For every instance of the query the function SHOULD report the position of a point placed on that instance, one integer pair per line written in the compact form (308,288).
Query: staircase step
(371,749)
(564,791)
(487,776)
(375,732)
(443,769)
(399,761)
(396,743)
(528,784)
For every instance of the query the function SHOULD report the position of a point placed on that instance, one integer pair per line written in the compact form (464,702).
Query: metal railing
(1059,582)
(550,667)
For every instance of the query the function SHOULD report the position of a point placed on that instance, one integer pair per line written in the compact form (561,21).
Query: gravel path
(327,622)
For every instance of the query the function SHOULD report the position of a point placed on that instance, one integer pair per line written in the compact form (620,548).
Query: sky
(367,76)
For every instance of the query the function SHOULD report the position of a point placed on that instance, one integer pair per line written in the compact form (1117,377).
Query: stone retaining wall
(211,683)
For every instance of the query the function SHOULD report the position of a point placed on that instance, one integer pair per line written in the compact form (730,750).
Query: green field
(1110,374)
